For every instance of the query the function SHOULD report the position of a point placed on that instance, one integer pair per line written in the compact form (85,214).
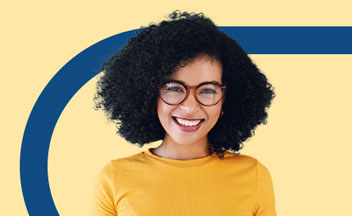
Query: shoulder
(112,168)
(245,160)
(239,158)
(135,160)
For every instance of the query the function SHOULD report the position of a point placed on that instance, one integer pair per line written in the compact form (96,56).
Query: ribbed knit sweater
(145,184)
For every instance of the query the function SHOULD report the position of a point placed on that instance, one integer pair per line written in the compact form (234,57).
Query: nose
(190,103)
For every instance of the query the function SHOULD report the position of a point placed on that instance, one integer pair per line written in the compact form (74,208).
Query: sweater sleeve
(104,193)
(265,192)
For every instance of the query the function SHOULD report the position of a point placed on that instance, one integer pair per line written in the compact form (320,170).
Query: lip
(187,128)
(189,119)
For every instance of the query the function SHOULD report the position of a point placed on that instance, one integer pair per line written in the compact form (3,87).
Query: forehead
(201,69)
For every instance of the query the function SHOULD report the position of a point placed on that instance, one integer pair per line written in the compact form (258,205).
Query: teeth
(187,123)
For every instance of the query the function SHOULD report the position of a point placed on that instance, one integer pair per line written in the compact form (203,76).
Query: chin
(186,140)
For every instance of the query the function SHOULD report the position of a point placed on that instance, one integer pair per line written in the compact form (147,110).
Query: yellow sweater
(146,184)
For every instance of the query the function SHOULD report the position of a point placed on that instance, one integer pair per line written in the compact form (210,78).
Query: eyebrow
(181,82)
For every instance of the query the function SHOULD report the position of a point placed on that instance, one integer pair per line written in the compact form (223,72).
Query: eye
(207,91)
(174,88)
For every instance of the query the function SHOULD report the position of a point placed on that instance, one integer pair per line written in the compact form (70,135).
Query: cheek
(159,108)
(163,110)
(214,113)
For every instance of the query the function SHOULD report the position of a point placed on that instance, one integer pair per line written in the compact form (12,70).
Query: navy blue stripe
(293,40)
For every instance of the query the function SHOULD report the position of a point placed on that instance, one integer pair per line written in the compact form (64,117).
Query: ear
(154,109)
(223,100)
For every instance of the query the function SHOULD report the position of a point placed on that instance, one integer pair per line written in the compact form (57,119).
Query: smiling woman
(188,84)
(185,120)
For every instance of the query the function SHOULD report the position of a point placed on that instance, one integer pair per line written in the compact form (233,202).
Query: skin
(183,145)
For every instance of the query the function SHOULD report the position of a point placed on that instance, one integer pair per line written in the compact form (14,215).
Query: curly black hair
(128,89)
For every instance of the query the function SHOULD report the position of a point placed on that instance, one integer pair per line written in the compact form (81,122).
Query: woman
(188,84)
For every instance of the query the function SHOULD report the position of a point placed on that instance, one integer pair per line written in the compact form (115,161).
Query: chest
(179,193)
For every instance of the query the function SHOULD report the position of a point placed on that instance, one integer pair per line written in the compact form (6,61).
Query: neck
(173,150)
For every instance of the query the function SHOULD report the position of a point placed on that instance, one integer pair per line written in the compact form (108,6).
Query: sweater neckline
(179,163)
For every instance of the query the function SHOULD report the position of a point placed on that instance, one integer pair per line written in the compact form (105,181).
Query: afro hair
(128,89)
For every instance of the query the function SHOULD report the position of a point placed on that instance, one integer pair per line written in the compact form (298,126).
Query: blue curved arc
(45,113)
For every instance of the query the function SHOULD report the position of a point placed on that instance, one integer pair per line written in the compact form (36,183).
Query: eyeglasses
(175,92)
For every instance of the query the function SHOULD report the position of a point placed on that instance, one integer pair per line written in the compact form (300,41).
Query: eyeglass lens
(175,93)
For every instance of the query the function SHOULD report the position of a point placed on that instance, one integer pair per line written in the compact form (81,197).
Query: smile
(188,125)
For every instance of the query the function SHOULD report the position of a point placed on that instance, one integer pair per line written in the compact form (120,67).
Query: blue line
(293,40)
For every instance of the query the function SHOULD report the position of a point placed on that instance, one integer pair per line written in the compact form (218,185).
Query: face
(181,121)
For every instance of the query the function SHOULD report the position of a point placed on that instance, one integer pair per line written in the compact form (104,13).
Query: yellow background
(305,145)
